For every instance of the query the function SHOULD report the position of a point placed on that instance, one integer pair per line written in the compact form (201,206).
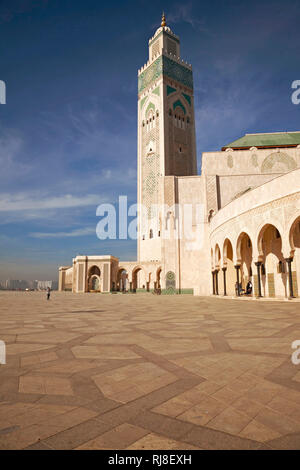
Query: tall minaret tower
(166,132)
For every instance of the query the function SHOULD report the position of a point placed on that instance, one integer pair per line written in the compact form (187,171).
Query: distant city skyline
(17,284)
(68,128)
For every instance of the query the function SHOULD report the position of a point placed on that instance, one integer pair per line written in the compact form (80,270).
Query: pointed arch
(228,266)
(179,104)
(274,272)
(217,256)
(150,106)
(244,256)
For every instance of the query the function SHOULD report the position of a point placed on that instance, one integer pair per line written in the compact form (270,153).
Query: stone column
(217,284)
(237,267)
(213,282)
(289,263)
(61,279)
(224,280)
(258,265)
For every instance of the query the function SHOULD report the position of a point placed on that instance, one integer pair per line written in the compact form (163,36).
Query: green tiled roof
(266,140)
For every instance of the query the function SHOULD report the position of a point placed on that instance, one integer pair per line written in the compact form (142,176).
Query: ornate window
(150,120)
(171,46)
(155,49)
(179,118)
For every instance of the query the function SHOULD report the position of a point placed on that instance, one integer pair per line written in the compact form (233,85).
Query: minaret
(166,131)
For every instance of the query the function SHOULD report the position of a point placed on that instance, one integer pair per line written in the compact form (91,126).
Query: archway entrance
(138,279)
(229,268)
(245,258)
(273,268)
(295,250)
(122,280)
(94,279)
(217,269)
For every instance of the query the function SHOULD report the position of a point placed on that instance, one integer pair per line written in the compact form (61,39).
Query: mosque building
(242,213)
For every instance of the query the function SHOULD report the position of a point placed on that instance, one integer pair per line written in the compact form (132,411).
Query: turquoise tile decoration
(168,67)
(150,74)
(150,106)
(187,98)
(143,101)
(178,103)
(170,90)
(177,72)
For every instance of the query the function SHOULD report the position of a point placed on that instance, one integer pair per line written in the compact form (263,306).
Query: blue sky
(68,130)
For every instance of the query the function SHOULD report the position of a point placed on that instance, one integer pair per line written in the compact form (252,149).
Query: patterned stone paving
(148,372)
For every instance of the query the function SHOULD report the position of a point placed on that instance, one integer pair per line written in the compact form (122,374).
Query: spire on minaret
(163,20)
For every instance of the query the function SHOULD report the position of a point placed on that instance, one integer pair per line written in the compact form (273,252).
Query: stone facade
(244,207)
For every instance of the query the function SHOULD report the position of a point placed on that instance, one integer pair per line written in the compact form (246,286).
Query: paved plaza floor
(90,371)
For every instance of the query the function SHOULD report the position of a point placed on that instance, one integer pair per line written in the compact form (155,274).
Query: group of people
(240,291)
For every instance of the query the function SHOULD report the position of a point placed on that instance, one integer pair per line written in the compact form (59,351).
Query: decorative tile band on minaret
(165,66)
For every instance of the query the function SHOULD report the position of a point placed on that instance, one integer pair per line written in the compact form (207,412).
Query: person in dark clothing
(48,293)
(249,288)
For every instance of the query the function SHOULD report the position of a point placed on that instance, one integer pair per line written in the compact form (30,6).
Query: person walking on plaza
(48,293)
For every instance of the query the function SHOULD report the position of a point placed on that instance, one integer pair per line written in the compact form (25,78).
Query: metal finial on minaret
(163,20)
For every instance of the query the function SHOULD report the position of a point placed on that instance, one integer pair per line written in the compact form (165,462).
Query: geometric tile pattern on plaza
(148,372)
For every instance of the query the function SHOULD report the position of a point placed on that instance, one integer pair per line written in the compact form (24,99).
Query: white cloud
(11,148)
(74,233)
(125,176)
(183,13)
(23,202)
